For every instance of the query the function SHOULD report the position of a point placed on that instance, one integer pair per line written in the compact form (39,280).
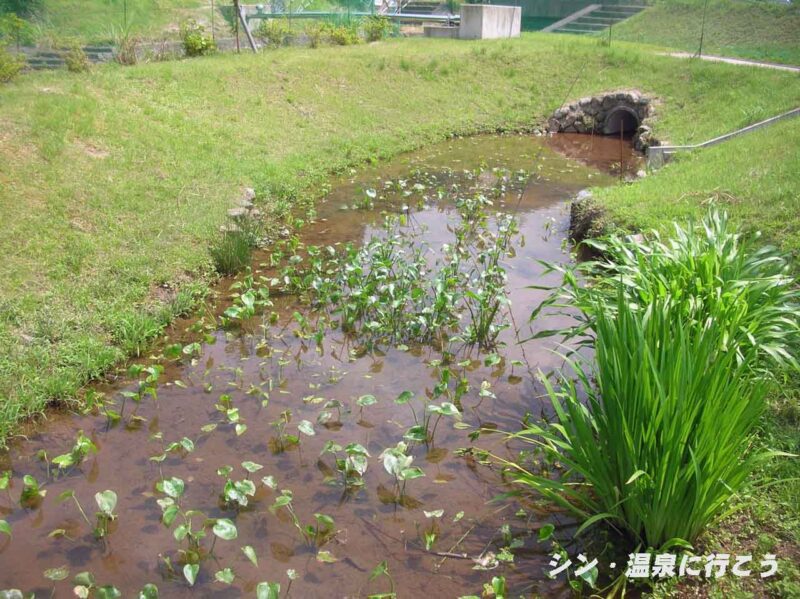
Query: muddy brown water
(371,526)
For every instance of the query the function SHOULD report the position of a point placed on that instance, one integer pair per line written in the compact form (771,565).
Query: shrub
(314,32)
(685,334)
(231,251)
(376,28)
(76,60)
(10,65)
(274,33)
(126,49)
(16,30)
(342,35)
(195,40)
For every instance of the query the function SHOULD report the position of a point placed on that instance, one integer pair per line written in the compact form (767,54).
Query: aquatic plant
(82,448)
(397,462)
(317,534)
(350,462)
(682,336)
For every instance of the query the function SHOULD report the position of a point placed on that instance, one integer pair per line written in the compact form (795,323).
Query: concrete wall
(486,21)
(559,8)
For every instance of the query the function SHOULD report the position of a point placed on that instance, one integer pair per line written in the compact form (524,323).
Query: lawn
(747,29)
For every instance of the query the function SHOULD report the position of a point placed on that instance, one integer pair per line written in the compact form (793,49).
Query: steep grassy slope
(747,29)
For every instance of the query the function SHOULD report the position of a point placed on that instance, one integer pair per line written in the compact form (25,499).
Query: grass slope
(95,21)
(755,178)
(114,182)
(747,29)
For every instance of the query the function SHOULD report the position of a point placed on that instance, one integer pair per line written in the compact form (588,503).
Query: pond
(256,412)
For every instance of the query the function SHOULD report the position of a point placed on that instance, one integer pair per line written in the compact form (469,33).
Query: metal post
(702,29)
(213,37)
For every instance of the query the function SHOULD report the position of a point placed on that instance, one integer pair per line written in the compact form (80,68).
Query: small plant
(284,440)
(231,251)
(82,448)
(317,534)
(342,35)
(76,60)
(397,462)
(350,462)
(16,30)
(32,492)
(274,33)
(126,49)
(195,40)
(10,65)
(376,28)
(106,503)
(315,31)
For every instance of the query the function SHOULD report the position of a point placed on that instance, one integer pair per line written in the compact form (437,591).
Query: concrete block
(440,31)
(489,21)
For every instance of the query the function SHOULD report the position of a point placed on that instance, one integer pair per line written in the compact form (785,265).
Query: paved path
(739,61)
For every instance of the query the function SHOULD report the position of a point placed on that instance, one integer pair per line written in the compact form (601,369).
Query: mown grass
(755,178)
(747,29)
(114,182)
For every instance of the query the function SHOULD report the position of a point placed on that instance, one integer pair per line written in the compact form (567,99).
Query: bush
(274,33)
(10,65)
(195,40)
(14,30)
(314,31)
(232,250)
(376,28)
(342,35)
(126,49)
(686,336)
(76,60)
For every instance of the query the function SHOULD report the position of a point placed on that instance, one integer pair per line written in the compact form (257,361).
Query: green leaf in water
(190,572)
(251,554)
(225,529)
(268,590)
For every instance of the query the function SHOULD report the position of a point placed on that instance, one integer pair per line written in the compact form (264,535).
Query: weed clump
(195,40)
(232,250)
(10,65)
(376,28)
(274,33)
(77,61)
(687,334)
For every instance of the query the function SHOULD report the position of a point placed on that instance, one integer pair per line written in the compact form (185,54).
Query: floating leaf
(366,400)
(434,514)
(251,554)
(56,574)
(5,527)
(225,575)
(326,557)
(190,572)
(546,531)
(251,466)
(149,591)
(305,427)
(268,590)
(225,529)
(108,592)
(106,501)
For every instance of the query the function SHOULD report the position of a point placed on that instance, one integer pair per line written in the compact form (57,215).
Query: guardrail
(658,155)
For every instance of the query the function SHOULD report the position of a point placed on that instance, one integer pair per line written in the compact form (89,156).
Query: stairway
(420,7)
(600,19)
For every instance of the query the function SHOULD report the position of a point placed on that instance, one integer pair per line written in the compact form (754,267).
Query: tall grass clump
(232,250)
(656,435)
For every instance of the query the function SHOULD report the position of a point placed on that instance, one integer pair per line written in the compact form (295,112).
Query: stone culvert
(607,114)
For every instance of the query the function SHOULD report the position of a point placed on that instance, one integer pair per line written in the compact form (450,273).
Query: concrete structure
(441,31)
(487,21)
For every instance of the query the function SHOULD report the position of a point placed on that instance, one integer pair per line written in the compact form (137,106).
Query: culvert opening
(621,120)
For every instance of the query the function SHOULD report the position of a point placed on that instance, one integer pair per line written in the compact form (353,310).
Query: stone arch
(606,114)
(621,119)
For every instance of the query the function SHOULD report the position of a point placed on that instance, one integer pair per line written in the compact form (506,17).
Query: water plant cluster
(396,289)
(655,435)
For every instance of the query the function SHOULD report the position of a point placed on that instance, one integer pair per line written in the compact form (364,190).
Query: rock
(583,102)
(249,194)
(235,213)
(584,194)
(641,173)
(570,129)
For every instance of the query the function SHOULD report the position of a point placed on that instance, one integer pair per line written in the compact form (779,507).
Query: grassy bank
(114,182)
(755,178)
(92,21)
(757,30)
